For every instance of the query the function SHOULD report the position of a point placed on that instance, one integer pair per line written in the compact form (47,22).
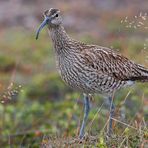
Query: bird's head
(52,18)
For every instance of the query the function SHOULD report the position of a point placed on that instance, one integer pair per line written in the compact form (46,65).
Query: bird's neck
(59,38)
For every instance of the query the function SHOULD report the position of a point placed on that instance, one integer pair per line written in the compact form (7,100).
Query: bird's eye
(57,15)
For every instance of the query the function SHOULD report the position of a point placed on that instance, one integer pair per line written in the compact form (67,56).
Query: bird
(90,69)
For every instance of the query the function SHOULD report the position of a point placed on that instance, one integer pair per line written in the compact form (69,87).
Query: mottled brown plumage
(90,68)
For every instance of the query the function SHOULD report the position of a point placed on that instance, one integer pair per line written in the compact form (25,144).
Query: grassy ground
(101,141)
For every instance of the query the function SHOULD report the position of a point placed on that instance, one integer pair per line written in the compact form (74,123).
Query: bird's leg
(86,112)
(112,109)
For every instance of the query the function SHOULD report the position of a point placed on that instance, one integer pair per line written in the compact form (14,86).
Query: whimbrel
(90,68)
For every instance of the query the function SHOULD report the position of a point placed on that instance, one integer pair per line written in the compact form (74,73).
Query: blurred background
(33,100)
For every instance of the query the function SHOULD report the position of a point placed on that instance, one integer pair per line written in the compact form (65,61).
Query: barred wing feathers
(113,64)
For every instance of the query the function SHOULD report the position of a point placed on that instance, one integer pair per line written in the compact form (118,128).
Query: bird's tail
(142,74)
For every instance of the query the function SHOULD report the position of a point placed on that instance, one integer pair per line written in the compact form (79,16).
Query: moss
(6,63)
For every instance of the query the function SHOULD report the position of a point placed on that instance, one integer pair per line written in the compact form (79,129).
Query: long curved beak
(43,24)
